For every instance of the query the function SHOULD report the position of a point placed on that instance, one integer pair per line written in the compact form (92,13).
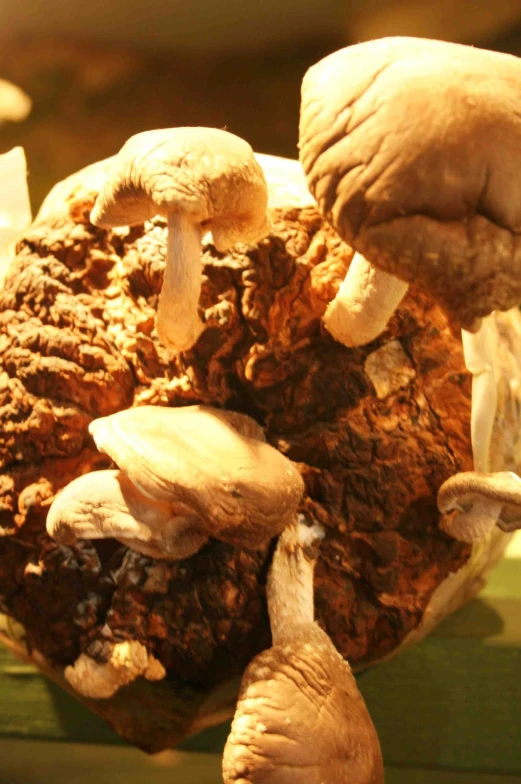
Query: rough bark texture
(375,431)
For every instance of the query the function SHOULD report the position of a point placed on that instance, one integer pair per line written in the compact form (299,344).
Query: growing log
(375,431)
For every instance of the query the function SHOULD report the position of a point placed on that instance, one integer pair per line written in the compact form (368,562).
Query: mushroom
(183,475)
(300,718)
(15,105)
(410,147)
(473,503)
(125,662)
(199,179)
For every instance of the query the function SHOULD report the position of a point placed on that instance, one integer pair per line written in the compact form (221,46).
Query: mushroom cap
(411,148)
(209,175)
(300,717)
(215,463)
(465,488)
(473,503)
(105,504)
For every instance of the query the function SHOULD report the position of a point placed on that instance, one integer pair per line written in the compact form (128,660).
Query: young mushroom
(199,179)
(300,718)
(183,475)
(15,104)
(410,148)
(472,504)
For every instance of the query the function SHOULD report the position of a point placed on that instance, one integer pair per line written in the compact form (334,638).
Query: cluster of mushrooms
(432,201)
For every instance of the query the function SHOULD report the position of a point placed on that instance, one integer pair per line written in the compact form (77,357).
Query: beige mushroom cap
(411,148)
(207,174)
(473,503)
(301,719)
(184,474)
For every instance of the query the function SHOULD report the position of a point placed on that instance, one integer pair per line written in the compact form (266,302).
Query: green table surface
(448,710)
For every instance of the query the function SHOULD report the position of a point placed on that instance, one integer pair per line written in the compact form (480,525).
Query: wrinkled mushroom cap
(209,175)
(105,504)
(216,463)
(411,148)
(301,718)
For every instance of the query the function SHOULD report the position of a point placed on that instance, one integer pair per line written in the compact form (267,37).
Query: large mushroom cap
(301,718)
(216,463)
(208,174)
(411,148)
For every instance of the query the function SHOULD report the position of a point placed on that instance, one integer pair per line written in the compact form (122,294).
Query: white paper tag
(15,206)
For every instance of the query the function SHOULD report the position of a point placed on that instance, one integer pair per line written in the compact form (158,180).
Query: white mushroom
(473,503)
(300,717)
(410,148)
(184,474)
(200,179)
(15,105)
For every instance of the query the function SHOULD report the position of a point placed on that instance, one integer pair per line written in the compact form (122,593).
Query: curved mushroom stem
(177,321)
(365,302)
(290,581)
(479,354)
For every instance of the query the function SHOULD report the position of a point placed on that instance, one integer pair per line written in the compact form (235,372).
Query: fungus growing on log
(374,437)
(199,179)
(300,718)
(409,147)
(184,474)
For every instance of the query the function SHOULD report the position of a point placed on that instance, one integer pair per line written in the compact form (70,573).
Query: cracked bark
(77,341)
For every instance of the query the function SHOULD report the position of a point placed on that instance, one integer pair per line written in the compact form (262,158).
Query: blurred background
(100,70)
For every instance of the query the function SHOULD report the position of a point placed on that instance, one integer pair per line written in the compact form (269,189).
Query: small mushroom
(472,504)
(199,179)
(300,718)
(410,147)
(183,475)
(15,105)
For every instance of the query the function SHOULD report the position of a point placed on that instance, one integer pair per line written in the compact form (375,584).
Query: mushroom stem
(479,354)
(366,300)
(177,321)
(290,581)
